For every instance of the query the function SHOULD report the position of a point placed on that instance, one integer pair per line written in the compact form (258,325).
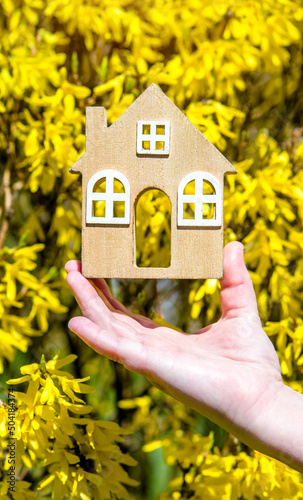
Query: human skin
(228,371)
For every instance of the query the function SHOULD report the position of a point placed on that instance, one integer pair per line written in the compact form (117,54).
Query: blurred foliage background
(235,69)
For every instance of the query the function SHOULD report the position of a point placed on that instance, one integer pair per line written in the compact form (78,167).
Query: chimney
(96,123)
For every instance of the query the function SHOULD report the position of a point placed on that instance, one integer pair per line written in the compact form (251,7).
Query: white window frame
(199,198)
(109,197)
(153,137)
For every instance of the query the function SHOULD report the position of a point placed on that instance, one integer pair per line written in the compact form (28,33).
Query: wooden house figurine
(152,145)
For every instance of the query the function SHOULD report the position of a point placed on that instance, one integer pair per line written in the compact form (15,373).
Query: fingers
(104,293)
(100,284)
(117,346)
(237,293)
(93,306)
(100,340)
(73,265)
(103,287)
(86,296)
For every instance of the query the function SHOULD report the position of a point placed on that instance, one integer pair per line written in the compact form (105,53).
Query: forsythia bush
(82,461)
(234,67)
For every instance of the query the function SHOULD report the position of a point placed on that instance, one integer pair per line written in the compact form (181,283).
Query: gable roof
(158,99)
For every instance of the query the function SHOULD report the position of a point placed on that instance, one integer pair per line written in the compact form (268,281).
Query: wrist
(279,427)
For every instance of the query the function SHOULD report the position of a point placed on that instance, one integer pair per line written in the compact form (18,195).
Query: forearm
(279,429)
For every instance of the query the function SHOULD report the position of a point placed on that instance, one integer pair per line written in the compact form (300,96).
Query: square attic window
(153,138)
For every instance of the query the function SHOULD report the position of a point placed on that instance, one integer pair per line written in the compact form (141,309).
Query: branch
(8,199)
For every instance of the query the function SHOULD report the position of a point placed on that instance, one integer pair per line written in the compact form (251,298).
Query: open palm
(228,371)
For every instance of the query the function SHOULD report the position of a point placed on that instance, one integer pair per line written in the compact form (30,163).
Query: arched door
(153,229)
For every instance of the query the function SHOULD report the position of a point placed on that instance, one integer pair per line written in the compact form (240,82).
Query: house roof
(159,100)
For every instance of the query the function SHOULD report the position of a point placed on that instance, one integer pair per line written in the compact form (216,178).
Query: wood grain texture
(109,251)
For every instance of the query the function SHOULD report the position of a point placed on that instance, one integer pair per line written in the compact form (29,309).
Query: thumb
(237,292)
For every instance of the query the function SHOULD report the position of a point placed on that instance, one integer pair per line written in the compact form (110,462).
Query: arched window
(200,200)
(108,198)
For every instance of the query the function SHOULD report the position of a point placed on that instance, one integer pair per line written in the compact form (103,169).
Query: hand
(228,371)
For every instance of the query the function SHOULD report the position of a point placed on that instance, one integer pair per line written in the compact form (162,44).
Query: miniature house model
(151,146)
